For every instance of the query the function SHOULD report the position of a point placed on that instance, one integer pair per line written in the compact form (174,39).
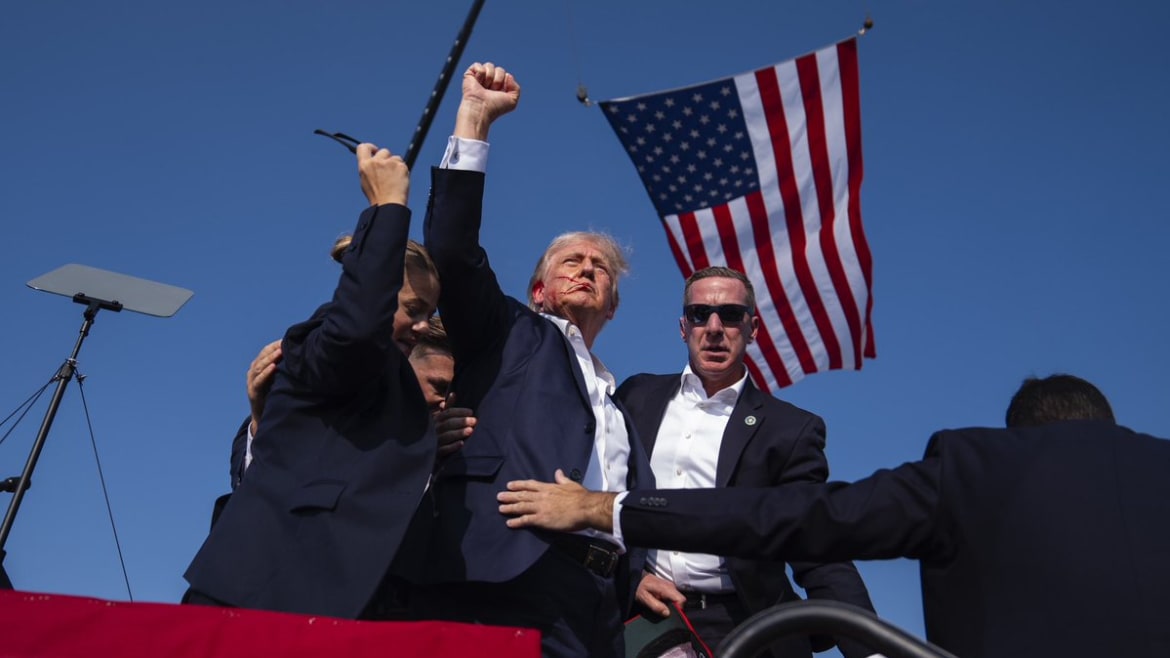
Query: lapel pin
(749,421)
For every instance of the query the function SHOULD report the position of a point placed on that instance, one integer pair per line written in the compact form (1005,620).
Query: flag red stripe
(762,232)
(694,239)
(683,265)
(814,112)
(773,104)
(725,225)
(851,100)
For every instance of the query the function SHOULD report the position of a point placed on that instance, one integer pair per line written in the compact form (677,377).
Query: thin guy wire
(27,405)
(105,493)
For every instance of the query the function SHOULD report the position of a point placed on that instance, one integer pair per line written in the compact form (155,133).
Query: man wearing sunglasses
(710,427)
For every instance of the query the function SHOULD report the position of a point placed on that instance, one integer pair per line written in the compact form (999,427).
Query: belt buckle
(600,561)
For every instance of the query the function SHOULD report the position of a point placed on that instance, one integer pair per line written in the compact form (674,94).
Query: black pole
(424,124)
(64,375)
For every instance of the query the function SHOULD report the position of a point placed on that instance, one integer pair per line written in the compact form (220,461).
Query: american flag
(761,172)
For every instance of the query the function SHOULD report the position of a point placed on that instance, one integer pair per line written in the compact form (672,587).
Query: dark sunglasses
(345,140)
(728,313)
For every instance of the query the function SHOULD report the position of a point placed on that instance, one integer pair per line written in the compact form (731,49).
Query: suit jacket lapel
(739,431)
(650,418)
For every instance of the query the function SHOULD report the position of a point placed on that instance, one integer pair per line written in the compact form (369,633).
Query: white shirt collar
(577,340)
(691,387)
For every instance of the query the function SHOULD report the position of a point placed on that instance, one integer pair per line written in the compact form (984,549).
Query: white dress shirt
(686,454)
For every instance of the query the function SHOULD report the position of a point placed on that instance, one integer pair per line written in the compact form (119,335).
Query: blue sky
(1014,158)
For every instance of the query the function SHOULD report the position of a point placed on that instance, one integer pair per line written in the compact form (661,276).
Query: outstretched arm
(565,506)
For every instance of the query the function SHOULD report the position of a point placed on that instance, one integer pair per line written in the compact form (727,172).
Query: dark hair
(1056,398)
(722,273)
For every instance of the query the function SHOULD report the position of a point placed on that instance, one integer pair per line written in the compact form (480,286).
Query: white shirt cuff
(248,448)
(617,519)
(465,154)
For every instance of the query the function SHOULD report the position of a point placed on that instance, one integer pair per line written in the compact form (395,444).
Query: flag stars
(677,124)
(697,98)
(744,155)
(718,162)
(711,141)
(739,134)
(721,129)
(641,107)
(726,91)
(692,168)
(687,111)
(649,128)
(641,141)
(658,150)
(714,105)
(674,159)
(695,134)
(702,155)
(632,118)
(667,137)
(669,102)
(684,146)
(704,119)
(732,113)
(613,109)
(682,180)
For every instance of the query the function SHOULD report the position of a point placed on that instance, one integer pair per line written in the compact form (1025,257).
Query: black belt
(596,555)
(701,600)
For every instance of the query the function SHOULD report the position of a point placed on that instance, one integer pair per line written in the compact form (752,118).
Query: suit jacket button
(575,475)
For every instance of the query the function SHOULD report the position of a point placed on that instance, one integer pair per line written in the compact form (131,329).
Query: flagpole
(428,115)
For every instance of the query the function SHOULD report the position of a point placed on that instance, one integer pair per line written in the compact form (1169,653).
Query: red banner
(65,626)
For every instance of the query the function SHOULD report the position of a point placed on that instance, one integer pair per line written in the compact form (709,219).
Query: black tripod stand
(103,290)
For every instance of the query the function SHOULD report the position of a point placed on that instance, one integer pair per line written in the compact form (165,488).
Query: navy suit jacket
(781,444)
(519,373)
(345,450)
(1046,541)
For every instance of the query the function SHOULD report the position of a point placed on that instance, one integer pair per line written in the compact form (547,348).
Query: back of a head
(1057,398)
(434,340)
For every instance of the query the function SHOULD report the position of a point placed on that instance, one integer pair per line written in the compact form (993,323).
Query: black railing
(828,618)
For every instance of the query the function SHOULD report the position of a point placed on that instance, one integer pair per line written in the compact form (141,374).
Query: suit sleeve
(832,581)
(473,307)
(892,513)
(349,346)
